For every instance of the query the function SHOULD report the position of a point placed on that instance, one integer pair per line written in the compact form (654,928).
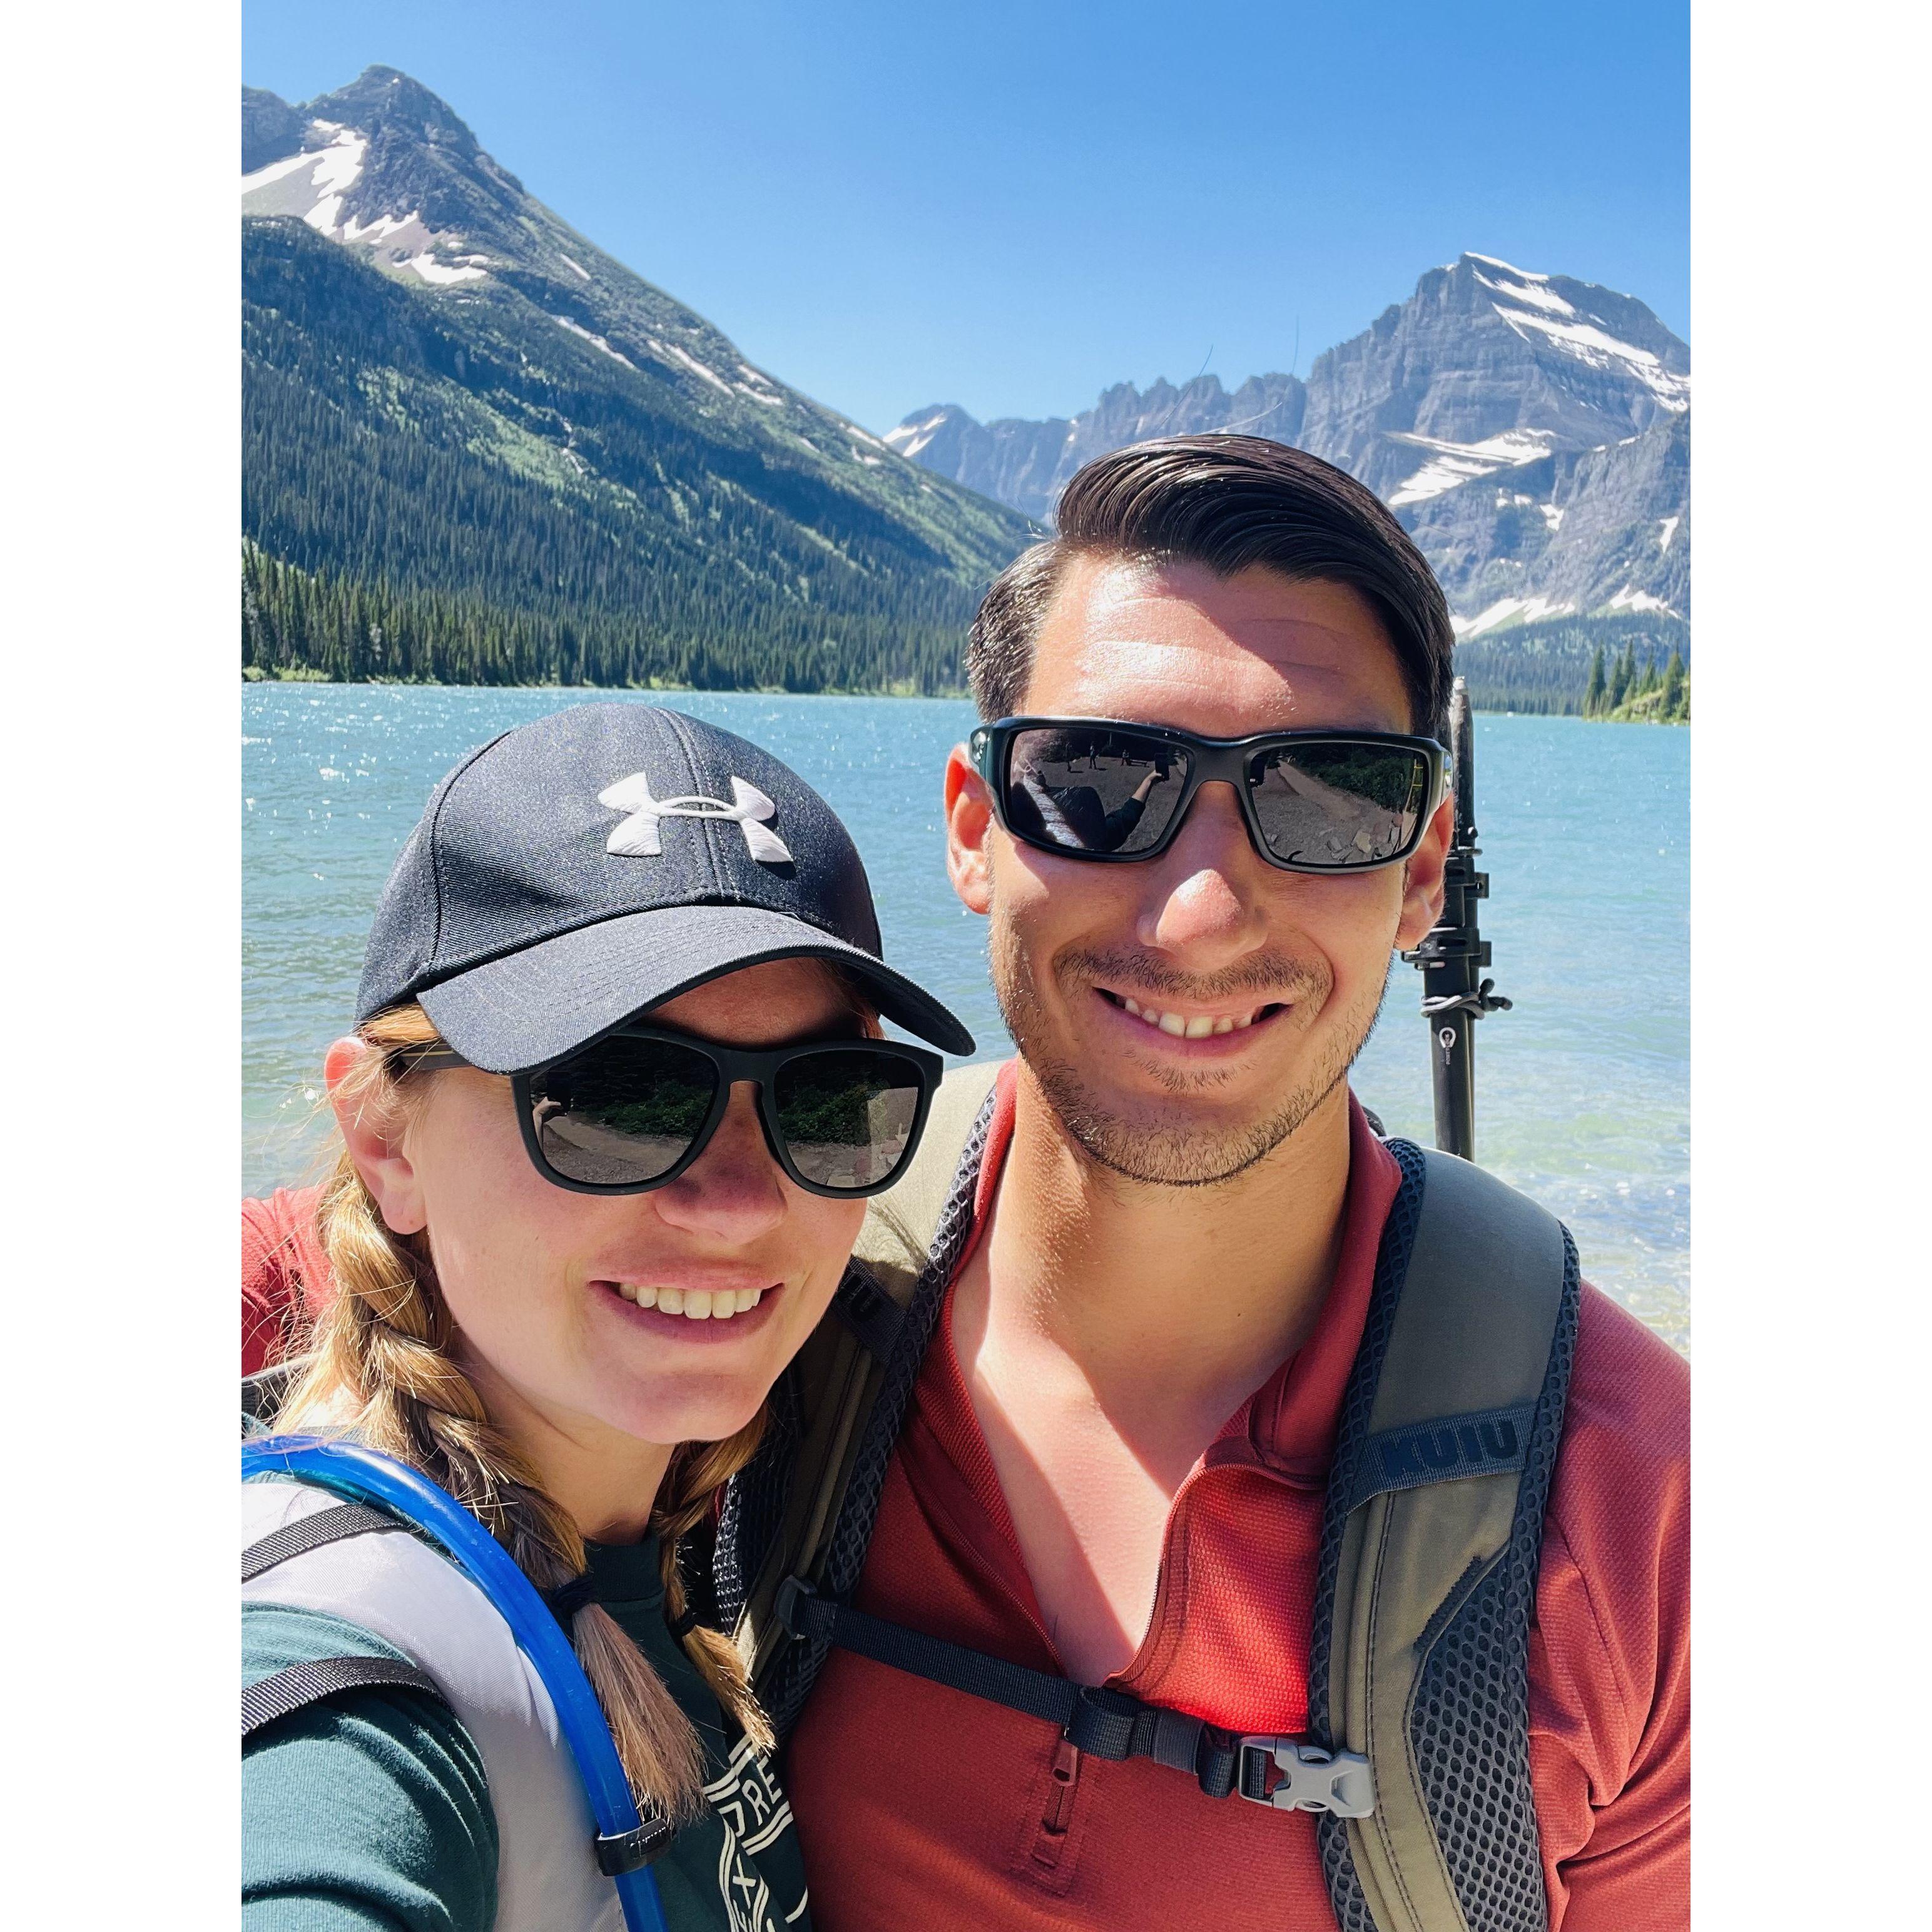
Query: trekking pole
(1454,953)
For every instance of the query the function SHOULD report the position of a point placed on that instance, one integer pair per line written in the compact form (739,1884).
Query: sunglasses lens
(847,1118)
(1079,789)
(623,1111)
(1332,807)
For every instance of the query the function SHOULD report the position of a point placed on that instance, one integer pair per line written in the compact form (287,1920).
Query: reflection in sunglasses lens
(1093,791)
(1338,805)
(846,1118)
(623,1111)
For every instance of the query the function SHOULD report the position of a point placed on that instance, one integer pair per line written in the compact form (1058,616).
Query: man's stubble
(1180,1152)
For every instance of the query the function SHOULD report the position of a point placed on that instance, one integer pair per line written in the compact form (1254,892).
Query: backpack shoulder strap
(301,1686)
(1430,1546)
(835,1384)
(900,1224)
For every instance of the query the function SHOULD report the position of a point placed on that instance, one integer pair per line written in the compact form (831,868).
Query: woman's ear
(372,1130)
(969,818)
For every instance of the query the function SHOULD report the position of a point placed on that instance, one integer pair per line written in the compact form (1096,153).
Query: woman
(615,1098)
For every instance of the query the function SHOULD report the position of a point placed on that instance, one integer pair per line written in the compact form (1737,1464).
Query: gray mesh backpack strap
(1427,1584)
(820,1472)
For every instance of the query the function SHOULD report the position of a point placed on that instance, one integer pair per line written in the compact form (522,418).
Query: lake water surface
(1583,1091)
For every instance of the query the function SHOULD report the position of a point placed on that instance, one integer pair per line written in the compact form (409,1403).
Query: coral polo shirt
(918,1806)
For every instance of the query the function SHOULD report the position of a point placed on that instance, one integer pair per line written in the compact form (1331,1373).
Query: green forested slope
(455,486)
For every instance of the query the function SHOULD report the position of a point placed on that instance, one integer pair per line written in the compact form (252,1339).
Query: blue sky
(1012,206)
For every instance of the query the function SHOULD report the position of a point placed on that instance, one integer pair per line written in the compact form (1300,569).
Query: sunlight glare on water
(1582,1089)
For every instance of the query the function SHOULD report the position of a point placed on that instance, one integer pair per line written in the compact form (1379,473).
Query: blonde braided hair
(382,1368)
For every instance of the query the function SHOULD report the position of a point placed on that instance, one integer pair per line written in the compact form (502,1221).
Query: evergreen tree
(1593,698)
(1674,705)
(1624,676)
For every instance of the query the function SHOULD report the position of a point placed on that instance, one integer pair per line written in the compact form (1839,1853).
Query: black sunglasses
(632,1110)
(1314,801)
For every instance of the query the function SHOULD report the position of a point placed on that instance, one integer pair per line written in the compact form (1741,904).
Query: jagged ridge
(1532,431)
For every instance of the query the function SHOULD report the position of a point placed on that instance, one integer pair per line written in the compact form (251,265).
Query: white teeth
(1179,1027)
(695,1304)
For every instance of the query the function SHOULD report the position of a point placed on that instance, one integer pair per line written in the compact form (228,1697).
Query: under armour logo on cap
(637,838)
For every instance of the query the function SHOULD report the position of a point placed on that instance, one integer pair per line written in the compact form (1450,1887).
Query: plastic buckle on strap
(784,1607)
(1311,1779)
(626,1851)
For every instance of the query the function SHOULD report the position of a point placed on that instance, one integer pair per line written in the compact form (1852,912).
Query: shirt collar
(1290,1423)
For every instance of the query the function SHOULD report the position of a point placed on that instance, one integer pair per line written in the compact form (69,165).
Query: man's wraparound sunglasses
(630,1111)
(1314,801)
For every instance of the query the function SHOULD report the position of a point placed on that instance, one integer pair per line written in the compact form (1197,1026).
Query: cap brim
(533,1006)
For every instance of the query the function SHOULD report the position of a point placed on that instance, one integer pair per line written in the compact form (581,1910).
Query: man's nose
(734,1192)
(1204,906)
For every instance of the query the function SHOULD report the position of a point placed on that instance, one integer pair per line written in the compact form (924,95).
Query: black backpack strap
(842,1553)
(301,1685)
(314,1532)
(1288,1774)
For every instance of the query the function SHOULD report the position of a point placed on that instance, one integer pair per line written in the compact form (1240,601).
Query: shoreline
(251,675)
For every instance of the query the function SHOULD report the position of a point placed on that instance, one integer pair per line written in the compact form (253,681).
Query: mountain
(475,446)
(1027,464)
(1531,432)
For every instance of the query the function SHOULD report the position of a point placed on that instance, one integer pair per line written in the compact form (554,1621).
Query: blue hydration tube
(351,1470)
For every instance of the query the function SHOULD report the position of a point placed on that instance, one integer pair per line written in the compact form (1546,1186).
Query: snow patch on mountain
(577,328)
(909,439)
(274,171)
(671,350)
(310,185)
(1527,292)
(431,270)
(1628,598)
(1666,529)
(1600,350)
(1507,268)
(383,228)
(576,268)
(1509,611)
(1455,463)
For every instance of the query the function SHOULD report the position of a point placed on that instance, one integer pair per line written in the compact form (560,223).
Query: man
(1113,1462)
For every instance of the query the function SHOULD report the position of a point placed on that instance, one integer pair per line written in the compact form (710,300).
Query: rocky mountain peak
(387,165)
(1531,430)
(380,100)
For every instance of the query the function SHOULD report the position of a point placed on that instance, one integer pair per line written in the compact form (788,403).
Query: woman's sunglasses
(1314,801)
(630,1111)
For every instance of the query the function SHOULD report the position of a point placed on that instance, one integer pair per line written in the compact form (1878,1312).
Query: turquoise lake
(1583,1091)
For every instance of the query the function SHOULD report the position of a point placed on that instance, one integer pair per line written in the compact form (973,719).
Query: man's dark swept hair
(1223,502)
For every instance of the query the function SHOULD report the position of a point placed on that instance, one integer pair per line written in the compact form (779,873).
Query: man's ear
(969,823)
(1422,878)
(372,1132)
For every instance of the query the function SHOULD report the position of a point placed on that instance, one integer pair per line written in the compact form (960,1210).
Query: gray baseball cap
(606,858)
